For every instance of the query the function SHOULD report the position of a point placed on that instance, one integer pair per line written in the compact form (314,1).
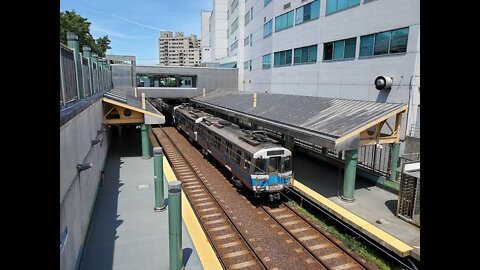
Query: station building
(324,48)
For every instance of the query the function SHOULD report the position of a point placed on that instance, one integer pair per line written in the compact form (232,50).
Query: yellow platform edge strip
(205,252)
(379,235)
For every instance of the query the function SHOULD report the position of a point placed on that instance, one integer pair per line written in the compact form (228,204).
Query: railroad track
(263,236)
(233,250)
(315,242)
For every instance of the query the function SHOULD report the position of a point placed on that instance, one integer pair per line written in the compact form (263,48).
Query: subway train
(256,161)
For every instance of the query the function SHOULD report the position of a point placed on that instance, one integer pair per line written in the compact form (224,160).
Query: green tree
(102,45)
(70,21)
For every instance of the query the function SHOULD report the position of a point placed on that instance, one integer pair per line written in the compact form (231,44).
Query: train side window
(238,157)
(247,163)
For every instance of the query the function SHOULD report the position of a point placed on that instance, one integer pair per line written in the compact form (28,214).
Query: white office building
(328,48)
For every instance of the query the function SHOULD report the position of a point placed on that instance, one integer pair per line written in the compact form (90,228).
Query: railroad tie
(236,253)
(330,256)
(224,236)
(299,230)
(276,210)
(214,221)
(201,199)
(309,237)
(242,265)
(343,266)
(212,215)
(285,216)
(291,222)
(219,228)
(198,195)
(318,246)
(231,244)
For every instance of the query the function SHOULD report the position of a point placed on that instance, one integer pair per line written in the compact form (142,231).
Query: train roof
(250,142)
(191,112)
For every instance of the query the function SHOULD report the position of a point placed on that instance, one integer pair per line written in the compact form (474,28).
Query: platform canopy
(338,124)
(127,109)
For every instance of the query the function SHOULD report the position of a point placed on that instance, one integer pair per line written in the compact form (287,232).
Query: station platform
(125,231)
(373,212)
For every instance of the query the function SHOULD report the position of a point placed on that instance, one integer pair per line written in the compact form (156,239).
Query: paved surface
(371,203)
(126,233)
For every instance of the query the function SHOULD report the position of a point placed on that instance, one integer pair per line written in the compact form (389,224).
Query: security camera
(383,82)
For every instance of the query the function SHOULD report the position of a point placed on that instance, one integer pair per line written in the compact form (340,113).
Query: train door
(228,153)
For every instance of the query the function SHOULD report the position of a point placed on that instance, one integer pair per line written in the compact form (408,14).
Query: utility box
(408,207)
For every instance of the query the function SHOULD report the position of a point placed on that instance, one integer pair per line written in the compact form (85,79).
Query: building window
(245,65)
(234,46)
(251,13)
(267,28)
(284,21)
(265,2)
(247,18)
(305,55)
(234,5)
(251,39)
(340,49)
(388,42)
(234,25)
(267,61)
(282,58)
(337,5)
(250,65)
(246,41)
(308,12)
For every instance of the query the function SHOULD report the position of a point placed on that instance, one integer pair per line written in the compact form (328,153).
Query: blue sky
(134,26)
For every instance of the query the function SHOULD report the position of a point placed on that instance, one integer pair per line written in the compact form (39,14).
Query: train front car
(272,171)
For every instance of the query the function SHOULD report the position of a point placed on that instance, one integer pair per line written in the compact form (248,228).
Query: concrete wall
(218,29)
(78,189)
(208,78)
(205,47)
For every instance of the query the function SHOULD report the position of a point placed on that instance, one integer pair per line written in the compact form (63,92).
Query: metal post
(175,225)
(145,145)
(87,52)
(62,82)
(289,142)
(72,41)
(158,178)
(351,157)
(394,161)
(324,150)
(95,60)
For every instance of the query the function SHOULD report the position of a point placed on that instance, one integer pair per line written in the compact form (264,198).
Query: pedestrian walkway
(125,231)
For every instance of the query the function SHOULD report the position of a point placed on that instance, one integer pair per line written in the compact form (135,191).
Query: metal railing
(93,76)
(68,76)
(415,131)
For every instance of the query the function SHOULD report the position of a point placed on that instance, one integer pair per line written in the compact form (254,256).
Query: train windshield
(274,164)
(260,166)
(287,164)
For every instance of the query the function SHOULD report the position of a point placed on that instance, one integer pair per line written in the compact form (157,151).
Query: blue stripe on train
(272,180)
